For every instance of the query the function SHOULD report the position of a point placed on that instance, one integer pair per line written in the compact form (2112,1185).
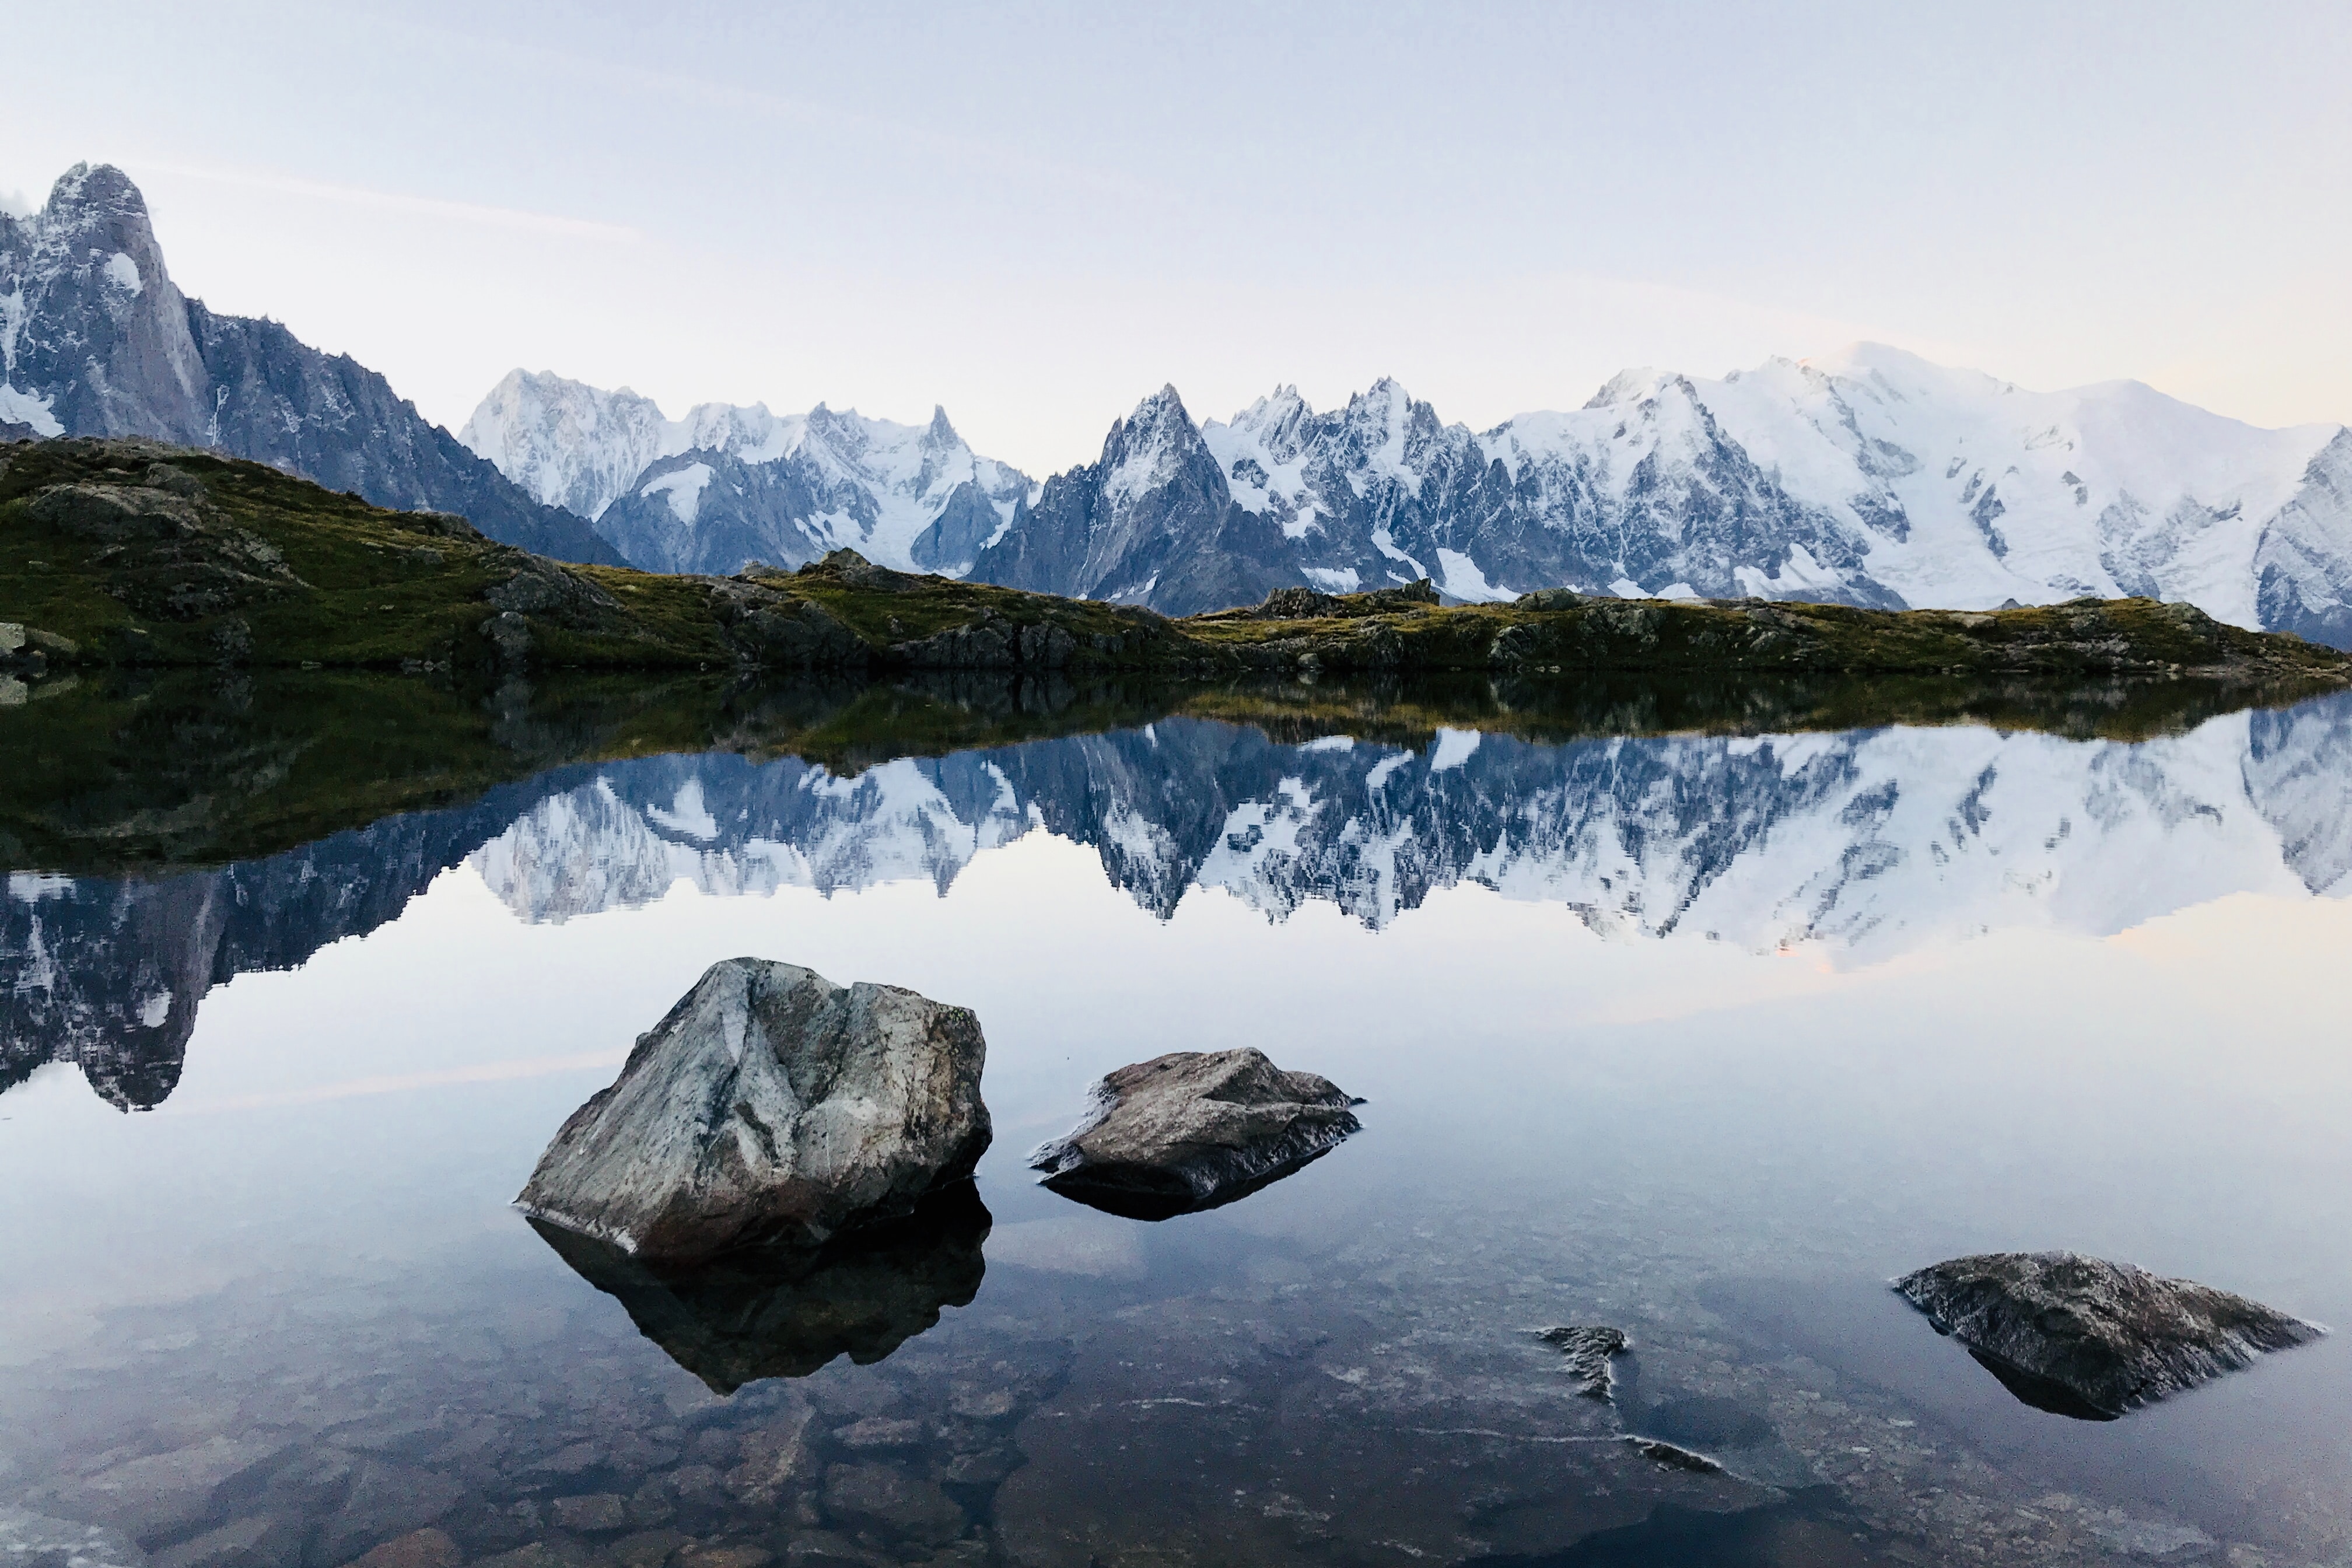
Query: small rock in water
(1193,1130)
(1586,1353)
(2081,1337)
(771,1106)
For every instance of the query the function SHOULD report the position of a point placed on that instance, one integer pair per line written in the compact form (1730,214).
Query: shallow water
(1703,1038)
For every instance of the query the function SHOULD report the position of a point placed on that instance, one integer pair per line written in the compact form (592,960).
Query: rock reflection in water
(782,1312)
(1129,1201)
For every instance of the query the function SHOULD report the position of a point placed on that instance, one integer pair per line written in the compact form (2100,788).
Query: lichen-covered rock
(2079,1336)
(1193,1130)
(771,1106)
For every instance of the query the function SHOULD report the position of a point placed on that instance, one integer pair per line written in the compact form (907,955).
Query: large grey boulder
(2086,1338)
(1193,1130)
(771,1106)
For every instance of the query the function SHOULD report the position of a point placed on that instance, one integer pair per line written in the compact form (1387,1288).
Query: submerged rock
(771,1106)
(1586,1353)
(1193,1130)
(760,1312)
(2082,1337)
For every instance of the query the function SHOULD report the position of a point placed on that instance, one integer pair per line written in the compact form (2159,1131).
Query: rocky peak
(1146,449)
(1278,424)
(94,338)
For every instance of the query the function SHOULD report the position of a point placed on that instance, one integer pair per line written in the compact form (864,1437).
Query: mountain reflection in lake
(1704,1036)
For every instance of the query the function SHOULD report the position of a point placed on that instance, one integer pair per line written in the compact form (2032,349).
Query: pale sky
(1035,215)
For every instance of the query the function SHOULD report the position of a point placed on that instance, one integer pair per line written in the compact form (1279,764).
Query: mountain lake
(1699,1027)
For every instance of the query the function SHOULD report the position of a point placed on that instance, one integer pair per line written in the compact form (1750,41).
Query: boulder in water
(1193,1130)
(771,1106)
(2082,1337)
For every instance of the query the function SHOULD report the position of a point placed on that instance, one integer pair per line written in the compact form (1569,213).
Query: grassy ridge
(131,553)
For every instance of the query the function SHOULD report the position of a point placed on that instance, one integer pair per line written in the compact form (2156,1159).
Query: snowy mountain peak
(1625,387)
(733,483)
(90,256)
(1147,448)
(569,444)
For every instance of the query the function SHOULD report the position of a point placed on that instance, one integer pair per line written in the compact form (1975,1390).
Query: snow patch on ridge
(1463,581)
(24,408)
(684,486)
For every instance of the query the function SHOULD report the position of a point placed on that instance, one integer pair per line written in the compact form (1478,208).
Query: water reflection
(779,1312)
(293,1322)
(1867,843)
(1129,1200)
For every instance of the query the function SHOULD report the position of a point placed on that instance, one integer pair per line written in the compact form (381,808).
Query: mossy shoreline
(132,554)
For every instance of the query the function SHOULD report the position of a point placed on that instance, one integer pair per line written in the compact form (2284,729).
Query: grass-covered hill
(130,553)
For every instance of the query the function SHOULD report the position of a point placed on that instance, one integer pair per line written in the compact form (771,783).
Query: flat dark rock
(1193,1130)
(771,1106)
(2082,1337)
(760,1312)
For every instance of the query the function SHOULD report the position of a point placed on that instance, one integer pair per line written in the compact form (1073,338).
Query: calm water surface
(1702,1037)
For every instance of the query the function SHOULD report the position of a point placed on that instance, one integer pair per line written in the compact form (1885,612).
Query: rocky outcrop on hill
(2083,1337)
(1586,1351)
(1193,1130)
(771,1106)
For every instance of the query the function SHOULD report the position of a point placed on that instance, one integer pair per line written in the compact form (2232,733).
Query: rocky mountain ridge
(96,340)
(1871,478)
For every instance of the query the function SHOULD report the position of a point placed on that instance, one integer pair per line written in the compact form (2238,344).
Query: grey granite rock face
(103,339)
(1193,1130)
(771,1106)
(2083,1337)
(1151,522)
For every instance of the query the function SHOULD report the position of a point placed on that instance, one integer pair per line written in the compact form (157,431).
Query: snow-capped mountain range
(1864,845)
(729,484)
(96,340)
(1871,477)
